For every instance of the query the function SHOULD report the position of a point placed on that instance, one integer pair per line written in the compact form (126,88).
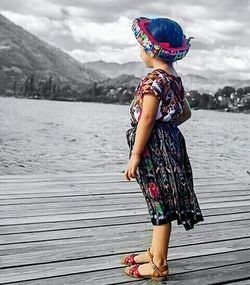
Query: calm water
(39,136)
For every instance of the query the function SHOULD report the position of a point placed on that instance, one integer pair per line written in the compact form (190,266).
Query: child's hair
(166,30)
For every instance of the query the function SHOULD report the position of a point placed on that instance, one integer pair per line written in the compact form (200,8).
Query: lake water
(42,136)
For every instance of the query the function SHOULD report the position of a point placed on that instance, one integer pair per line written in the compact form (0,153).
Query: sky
(91,30)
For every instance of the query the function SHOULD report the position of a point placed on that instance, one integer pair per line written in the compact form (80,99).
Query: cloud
(221,63)
(111,34)
(52,31)
(38,9)
(107,53)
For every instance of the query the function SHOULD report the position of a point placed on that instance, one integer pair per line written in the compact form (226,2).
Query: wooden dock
(73,229)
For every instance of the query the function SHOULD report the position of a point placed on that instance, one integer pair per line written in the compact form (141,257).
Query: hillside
(22,54)
(190,81)
(123,80)
(113,69)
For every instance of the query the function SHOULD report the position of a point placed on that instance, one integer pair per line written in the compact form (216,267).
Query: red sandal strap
(130,258)
(133,270)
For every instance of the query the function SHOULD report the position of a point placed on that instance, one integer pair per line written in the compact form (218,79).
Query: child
(158,156)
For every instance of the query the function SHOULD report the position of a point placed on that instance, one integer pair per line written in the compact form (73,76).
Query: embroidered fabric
(169,91)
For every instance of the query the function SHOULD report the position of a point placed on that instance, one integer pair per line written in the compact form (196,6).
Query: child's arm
(185,115)
(149,110)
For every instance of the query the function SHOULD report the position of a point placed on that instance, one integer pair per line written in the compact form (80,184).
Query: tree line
(52,89)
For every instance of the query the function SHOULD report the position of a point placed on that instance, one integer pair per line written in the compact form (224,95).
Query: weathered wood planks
(73,229)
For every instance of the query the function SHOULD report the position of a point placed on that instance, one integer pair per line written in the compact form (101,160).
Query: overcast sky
(91,30)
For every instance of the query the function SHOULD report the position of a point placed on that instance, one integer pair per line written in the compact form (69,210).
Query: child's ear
(152,55)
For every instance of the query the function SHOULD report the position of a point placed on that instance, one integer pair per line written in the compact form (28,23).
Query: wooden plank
(117,229)
(44,241)
(107,247)
(56,196)
(118,211)
(218,214)
(74,175)
(107,179)
(106,205)
(215,275)
(115,189)
(15,198)
(242,282)
(82,206)
(77,176)
(108,269)
(7,187)
(104,200)
(102,214)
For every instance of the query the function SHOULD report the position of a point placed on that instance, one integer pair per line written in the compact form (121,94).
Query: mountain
(113,69)
(22,54)
(190,81)
(212,84)
(123,80)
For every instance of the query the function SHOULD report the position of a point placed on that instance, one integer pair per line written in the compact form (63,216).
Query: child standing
(158,156)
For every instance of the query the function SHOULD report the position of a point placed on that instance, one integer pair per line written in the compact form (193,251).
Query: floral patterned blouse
(167,88)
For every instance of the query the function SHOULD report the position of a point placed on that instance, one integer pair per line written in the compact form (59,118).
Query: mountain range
(190,81)
(23,54)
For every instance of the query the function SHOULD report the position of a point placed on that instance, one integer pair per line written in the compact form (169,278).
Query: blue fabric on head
(166,30)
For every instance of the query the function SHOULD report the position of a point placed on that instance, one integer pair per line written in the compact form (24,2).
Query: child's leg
(160,243)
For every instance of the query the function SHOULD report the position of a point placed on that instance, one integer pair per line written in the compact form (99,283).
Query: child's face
(146,58)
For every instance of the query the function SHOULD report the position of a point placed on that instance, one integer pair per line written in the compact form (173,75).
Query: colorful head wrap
(154,47)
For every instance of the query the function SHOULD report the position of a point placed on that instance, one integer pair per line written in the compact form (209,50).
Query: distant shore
(227,109)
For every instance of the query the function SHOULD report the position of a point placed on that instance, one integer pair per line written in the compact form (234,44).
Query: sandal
(129,260)
(156,276)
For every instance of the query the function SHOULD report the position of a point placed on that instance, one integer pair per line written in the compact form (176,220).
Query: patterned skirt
(165,177)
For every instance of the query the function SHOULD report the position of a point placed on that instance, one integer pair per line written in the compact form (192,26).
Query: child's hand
(133,163)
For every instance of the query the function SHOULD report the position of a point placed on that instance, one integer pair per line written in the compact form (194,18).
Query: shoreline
(227,109)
